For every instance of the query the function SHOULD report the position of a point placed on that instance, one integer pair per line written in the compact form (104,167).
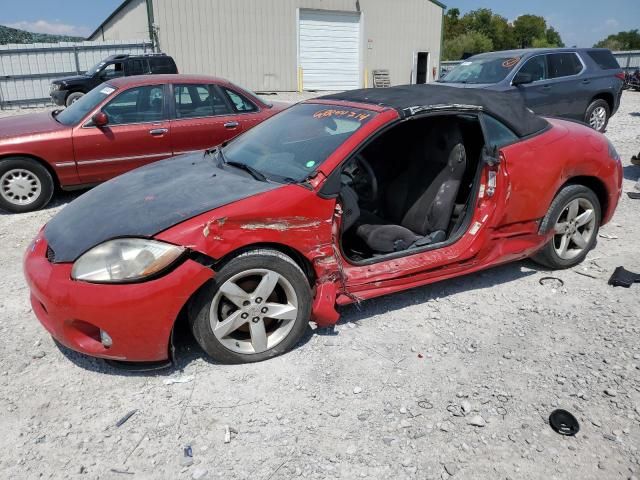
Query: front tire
(597,115)
(257,307)
(73,97)
(25,185)
(574,216)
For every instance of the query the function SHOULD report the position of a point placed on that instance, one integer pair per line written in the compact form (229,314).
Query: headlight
(124,260)
(55,86)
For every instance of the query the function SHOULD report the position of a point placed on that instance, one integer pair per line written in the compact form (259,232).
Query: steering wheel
(362,178)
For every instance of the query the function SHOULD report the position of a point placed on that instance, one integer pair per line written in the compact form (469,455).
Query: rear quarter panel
(538,167)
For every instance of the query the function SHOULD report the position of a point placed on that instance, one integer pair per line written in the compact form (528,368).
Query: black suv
(578,83)
(67,90)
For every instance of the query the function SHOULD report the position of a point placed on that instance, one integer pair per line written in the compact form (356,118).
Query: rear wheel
(73,97)
(574,217)
(597,115)
(257,307)
(25,185)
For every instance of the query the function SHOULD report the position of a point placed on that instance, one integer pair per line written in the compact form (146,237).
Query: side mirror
(100,119)
(522,78)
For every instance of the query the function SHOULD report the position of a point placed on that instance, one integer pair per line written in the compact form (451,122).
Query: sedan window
(74,113)
(137,105)
(194,101)
(563,65)
(239,102)
(498,135)
(292,144)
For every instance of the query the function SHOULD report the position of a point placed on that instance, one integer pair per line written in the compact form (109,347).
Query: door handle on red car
(231,125)
(158,131)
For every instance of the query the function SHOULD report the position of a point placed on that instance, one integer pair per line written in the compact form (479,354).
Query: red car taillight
(620,75)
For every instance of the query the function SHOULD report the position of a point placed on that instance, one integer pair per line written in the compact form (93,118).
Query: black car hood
(145,202)
(72,79)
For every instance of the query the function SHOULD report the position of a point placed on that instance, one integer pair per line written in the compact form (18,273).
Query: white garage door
(329,48)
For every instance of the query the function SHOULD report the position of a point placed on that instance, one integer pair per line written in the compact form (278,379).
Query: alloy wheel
(574,229)
(19,186)
(253,311)
(598,118)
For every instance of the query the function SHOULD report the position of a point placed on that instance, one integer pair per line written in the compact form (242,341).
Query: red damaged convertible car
(337,199)
(118,126)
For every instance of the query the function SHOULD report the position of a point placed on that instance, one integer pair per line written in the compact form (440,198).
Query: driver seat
(420,201)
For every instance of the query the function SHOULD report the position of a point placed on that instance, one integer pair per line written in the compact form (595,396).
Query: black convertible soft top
(410,100)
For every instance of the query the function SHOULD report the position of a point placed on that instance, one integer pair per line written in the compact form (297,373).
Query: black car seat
(420,201)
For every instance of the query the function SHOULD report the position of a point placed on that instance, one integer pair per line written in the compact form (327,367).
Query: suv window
(113,70)
(162,65)
(604,59)
(239,102)
(137,105)
(536,67)
(198,101)
(497,133)
(563,64)
(138,66)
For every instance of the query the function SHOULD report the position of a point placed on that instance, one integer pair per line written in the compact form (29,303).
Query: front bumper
(138,317)
(59,97)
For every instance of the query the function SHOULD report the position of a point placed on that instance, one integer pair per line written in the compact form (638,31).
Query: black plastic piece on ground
(634,195)
(564,423)
(139,366)
(623,278)
(545,280)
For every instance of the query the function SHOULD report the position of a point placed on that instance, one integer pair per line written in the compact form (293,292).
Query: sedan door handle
(231,125)
(586,81)
(158,131)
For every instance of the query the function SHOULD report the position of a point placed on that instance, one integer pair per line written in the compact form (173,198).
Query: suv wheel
(73,97)
(597,115)
(25,185)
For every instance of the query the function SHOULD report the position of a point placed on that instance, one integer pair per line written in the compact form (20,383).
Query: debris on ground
(185,379)
(622,277)
(130,414)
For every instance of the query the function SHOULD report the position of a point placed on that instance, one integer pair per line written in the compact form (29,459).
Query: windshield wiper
(257,174)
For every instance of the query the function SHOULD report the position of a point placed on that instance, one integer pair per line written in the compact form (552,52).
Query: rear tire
(73,97)
(256,307)
(597,115)
(575,215)
(25,185)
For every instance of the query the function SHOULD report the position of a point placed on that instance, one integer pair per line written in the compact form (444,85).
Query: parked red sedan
(335,200)
(118,126)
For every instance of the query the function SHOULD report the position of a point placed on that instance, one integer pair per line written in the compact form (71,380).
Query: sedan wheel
(574,229)
(256,307)
(253,311)
(20,187)
(25,185)
(574,217)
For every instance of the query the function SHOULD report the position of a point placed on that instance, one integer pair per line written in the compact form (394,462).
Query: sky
(580,22)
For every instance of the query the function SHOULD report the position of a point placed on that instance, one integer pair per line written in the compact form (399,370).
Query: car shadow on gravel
(59,199)
(631,172)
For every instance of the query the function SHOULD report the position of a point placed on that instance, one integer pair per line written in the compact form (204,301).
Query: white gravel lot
(392,394)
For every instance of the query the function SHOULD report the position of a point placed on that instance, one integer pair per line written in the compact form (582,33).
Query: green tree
(553,38)
(494,26)
(452,24)
(621,41)
(527,28)
(471,43)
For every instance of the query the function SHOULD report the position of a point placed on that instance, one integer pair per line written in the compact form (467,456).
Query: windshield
(482,70)
(95,69)
(292,144)
(79,109)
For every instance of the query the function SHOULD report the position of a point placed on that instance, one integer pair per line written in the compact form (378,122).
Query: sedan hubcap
(598,118)
(574,229)
(20,187)
(253,311)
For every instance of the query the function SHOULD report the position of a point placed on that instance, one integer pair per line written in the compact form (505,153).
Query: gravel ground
(452,380)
